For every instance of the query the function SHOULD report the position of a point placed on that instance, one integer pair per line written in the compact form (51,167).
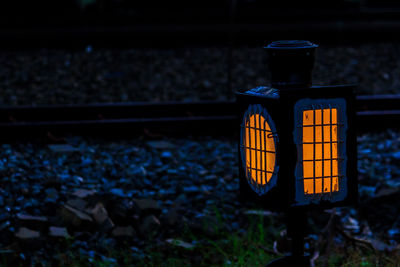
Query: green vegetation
(216,244)
(225,248)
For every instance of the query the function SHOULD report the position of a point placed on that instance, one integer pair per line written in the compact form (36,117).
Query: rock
(350,224)
(75,217)
(191,189)
(379,210)
(34,222)
(78,203)
(166,155)
(58,231)
(206,226)
(9,257)
(123,231)
(259,212)
(387,192)
(121,211)
(147,206)
(83,193)
(63,148)
(30,218)
(7,233)
(150,225)
(179,243)
(5,225)
(118,192)
(25,233)
(283,244)
(172,217)
(160,144)
(100,215)
(51,195)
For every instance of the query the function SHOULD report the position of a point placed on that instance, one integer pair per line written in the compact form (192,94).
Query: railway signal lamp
(297,143)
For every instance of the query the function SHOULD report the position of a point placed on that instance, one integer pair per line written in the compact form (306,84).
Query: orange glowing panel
(320,151)
(259,149)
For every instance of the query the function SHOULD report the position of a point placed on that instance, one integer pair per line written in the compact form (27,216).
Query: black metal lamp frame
(279,101)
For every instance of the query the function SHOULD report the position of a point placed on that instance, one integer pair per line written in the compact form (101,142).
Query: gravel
(99,75)
(97,195)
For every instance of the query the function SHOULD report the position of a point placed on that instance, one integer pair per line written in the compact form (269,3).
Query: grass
(221,246)
(225,248)
(356,256)
(253,247)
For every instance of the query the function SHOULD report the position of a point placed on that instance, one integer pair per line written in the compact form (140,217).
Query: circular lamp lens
(258,149)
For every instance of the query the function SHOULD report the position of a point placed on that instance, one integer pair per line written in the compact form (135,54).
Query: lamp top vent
(291,44)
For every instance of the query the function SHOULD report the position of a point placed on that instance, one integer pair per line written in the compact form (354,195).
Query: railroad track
(115,120)
(178,35)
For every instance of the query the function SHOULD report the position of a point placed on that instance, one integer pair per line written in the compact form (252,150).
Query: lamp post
(297,147)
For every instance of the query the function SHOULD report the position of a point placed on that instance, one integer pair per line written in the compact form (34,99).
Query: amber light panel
(260,149)
(320,151)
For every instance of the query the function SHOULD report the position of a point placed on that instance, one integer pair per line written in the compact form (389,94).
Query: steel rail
(177,34)
(173,118)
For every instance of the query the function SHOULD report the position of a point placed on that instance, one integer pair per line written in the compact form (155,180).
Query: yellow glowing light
(260,149)
(320,151)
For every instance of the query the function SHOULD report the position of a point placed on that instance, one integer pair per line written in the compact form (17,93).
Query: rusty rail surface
(114,120)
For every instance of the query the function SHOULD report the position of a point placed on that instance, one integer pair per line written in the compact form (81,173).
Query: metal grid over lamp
(320,135)
(258,149)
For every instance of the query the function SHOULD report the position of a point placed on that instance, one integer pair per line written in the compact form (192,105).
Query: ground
(174,203)
(104,75)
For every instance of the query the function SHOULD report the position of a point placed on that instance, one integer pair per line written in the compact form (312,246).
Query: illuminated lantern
(258,149)
(297,147)
(297,143)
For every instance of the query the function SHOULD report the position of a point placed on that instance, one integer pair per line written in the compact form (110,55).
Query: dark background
(171,23)
(156,189)
(85,51)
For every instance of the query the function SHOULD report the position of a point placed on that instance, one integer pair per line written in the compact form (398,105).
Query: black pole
(291,63)
(296,226)
(296,223)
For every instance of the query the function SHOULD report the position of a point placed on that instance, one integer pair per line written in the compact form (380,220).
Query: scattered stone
(160,144)
(33,222)
(147,206)
(25,233)
(51,195)
(75,217)
(166,155)
(388,192)
(172,217)
(259,212)
(149,225)
(9,256)
(179,243)
(58,232)
(77,203)
(199,168)
(204,226)
(100,215)
(350,224)
(5,225)
(63,148)
(211,177)
(31,218)
(123,231)
(83,193)
(118,192)
(191,189)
